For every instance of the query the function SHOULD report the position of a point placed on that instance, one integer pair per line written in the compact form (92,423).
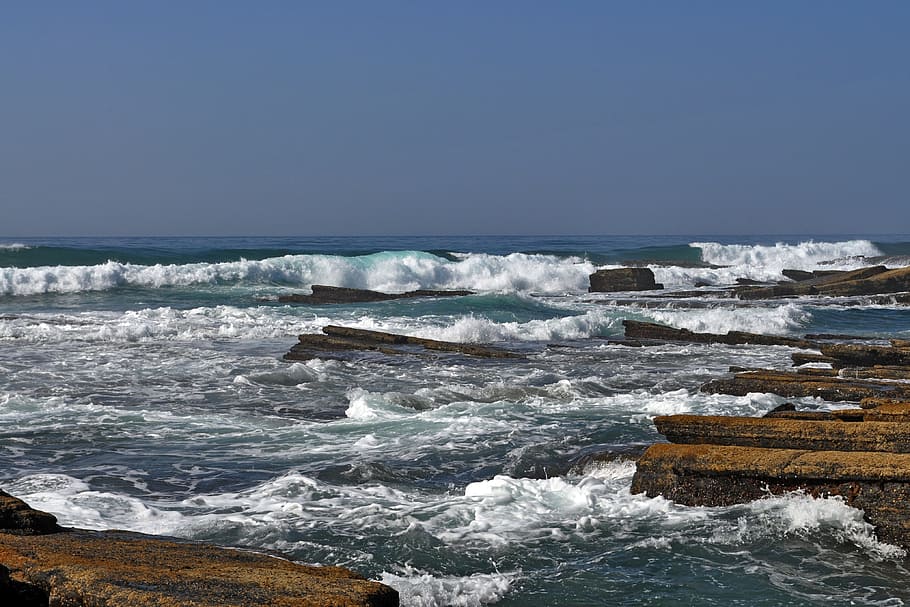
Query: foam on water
(418,588)
(777,320)
(765,262)
(806,255)
(77,505)
(387,271)
(165,323)
(13,246)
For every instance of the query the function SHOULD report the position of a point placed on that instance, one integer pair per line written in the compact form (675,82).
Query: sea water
(142,388)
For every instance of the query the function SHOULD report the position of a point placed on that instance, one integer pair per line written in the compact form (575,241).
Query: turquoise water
(142,387)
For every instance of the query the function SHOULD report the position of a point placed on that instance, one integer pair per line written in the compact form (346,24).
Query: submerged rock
(623,279)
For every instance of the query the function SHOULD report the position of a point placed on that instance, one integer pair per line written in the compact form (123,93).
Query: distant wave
(13,246)
(803,256)
(387,271)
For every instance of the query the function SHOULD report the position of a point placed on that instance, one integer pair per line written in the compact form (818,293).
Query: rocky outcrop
(638,330)
(835,434)
(78,568)
(18,517)
(623,279)
(322,294)
(874,280)
(866,356)
(716,475)
(805,385)
(337,340)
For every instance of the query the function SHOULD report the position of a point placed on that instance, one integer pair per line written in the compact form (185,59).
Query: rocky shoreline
(45,565)
(860,454)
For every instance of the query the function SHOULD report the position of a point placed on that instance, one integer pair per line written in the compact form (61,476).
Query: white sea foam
(13,246)
(772,320)
(76,505)
(165,323)
(802,515)
(389,271)
(420,589)
(765,262)
(803,256)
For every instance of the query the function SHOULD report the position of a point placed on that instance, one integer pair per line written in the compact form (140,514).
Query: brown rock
(872,280)
(112,569)
(18,517)
(799,385)
(866,356)
(712,475)
(623,279)
(323,294)
(350,339)
(776,433)
(635,329)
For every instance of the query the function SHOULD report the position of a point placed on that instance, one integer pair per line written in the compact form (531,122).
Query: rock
(798,275)
(340,339)
(874,280)
(42,563)
(714,475)
(323,294)
(802,358)
(635,329)
(866,356)
(113,568)
(801,385)
(876,372)
(18,517)
(623,279)
(777,433)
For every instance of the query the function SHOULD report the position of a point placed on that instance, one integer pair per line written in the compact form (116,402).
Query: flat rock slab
(873,280)
(802,385)
(713,475)
(323,294)
(623,279)
(781,433)
(337,339)
(114,569)
(635,329)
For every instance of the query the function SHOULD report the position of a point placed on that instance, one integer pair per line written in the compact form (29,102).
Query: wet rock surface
(623,279)
(323,294)
(861,454)
(336,340)
(43,565)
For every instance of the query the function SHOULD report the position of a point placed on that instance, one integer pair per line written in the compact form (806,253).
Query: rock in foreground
(41,566)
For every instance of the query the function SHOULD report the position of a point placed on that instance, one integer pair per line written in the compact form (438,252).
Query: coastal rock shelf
(657,333)
(873,280)
(335,340)
(79,568)
(322,294)
(861,454)
(718,475)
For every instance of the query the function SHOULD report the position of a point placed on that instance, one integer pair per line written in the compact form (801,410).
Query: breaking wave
(387,271)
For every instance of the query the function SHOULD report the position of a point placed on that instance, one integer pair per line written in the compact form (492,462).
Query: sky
(473,117)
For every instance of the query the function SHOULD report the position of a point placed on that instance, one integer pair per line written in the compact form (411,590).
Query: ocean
(142,387)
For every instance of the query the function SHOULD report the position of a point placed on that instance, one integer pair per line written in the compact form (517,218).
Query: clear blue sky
(387,117)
